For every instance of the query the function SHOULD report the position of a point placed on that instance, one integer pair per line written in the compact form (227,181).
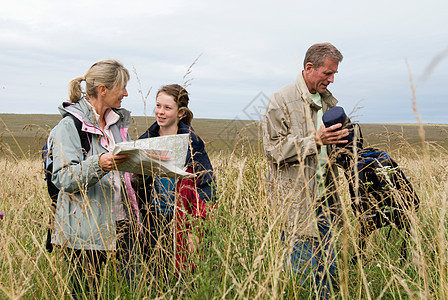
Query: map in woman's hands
(162,156)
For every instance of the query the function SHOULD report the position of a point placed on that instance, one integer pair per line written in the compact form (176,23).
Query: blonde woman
(96,203)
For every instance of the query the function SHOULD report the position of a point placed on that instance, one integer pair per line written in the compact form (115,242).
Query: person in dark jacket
(161,204)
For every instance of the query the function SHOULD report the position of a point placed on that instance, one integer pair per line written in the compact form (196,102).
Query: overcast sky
(240,51)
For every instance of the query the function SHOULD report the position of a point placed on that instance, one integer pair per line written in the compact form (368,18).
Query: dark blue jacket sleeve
(198,159)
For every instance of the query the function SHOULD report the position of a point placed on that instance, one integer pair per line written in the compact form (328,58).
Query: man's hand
(327,136)
(108,161)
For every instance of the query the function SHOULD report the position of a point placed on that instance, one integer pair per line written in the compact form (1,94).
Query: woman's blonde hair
(181,98)
(107,72)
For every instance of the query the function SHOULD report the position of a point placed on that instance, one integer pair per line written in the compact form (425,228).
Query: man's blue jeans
(314,259)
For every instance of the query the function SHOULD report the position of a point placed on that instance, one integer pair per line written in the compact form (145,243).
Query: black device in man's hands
(337,115)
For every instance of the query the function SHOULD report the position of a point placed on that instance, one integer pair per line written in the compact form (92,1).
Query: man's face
(318,80)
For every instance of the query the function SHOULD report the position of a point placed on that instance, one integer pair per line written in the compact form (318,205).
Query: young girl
(174,117)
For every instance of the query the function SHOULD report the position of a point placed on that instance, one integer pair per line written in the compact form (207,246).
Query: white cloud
(246,46)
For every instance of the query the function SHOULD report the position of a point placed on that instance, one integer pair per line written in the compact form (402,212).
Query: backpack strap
(84,136)
(357,132)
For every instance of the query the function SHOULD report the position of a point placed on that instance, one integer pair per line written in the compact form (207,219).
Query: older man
(300,174)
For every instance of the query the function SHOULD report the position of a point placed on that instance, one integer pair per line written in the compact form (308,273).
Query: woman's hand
(109,162)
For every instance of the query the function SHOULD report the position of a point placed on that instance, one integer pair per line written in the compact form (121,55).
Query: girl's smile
(167,113)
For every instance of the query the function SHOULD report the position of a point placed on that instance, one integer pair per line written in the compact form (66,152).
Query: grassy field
(242,257)
(24,135)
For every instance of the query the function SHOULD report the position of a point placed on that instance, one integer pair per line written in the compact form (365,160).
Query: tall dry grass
(241,257)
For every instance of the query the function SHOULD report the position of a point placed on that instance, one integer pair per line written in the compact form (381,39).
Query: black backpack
(380,193)
(383,195)
(47,156)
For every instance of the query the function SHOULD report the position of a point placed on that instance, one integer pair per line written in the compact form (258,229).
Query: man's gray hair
(317,53)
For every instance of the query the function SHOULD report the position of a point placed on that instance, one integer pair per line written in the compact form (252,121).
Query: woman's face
(166,111)
(114,96)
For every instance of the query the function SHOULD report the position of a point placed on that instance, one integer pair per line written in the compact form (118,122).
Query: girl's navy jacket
(197,159)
